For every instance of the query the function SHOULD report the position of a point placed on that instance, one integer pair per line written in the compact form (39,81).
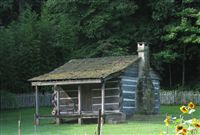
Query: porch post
(37,122)
(102,100)
(79,104)
(58,104)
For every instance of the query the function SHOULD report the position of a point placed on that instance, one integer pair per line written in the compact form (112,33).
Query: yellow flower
(197,125)
(184,130)
(183,133)
(191,105)
(194,120)
(178,128)
(166,121)
(184,109)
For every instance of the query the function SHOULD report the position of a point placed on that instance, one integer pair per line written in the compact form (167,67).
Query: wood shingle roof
(88,68)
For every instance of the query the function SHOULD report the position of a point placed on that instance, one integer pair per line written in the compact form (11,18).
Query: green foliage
(145,93)
(5,7)
(162,9)
(98,25)
(37,36)
(181,36)
(30,48)
(9,99)
(167,56)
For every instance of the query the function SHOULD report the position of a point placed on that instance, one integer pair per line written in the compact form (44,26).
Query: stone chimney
(143,53)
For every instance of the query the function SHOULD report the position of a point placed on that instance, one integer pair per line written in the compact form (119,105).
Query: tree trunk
(183,66)
(183,73)
(170,76)
(21,6)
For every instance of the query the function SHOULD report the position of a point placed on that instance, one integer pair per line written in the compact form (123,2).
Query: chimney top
(142,46)
(143,53)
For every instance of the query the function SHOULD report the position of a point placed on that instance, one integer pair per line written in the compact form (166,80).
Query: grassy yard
(138,125)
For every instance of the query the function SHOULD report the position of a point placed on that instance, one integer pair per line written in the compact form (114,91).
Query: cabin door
(86,98)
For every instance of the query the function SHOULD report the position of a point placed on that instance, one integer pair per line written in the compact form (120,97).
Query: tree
(28,48)
(184,34)
(6,11)
(169,57)
(11,9)
(102,27)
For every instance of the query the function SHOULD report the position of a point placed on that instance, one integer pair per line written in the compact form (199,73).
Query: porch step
(114,118)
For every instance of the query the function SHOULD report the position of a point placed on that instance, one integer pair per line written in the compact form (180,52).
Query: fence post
(19,127)
(99,123)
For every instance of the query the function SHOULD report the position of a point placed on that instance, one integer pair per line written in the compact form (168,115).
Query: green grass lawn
(138,125)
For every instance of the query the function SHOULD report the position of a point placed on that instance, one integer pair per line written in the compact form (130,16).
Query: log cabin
(83,86)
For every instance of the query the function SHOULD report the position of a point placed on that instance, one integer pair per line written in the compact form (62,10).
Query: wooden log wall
(129,81)
(128,87)
(156,85)
(69,99)
(112,97)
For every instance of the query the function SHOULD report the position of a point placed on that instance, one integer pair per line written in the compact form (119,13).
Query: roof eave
(65,82)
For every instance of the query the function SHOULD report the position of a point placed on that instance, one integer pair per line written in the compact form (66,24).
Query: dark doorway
(86,98)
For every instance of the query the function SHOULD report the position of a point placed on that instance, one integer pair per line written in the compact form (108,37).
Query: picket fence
(28,100)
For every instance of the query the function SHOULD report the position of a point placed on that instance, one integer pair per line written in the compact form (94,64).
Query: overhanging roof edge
(65,82)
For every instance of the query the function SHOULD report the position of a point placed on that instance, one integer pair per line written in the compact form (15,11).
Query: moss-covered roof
(89,68)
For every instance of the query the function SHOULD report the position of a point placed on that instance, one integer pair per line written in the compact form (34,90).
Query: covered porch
(80,108)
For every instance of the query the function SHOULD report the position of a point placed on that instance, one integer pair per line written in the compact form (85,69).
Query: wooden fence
(179,97)
(28,100)
(25,100)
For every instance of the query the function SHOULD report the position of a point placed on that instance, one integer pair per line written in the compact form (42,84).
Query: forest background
(37,36)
